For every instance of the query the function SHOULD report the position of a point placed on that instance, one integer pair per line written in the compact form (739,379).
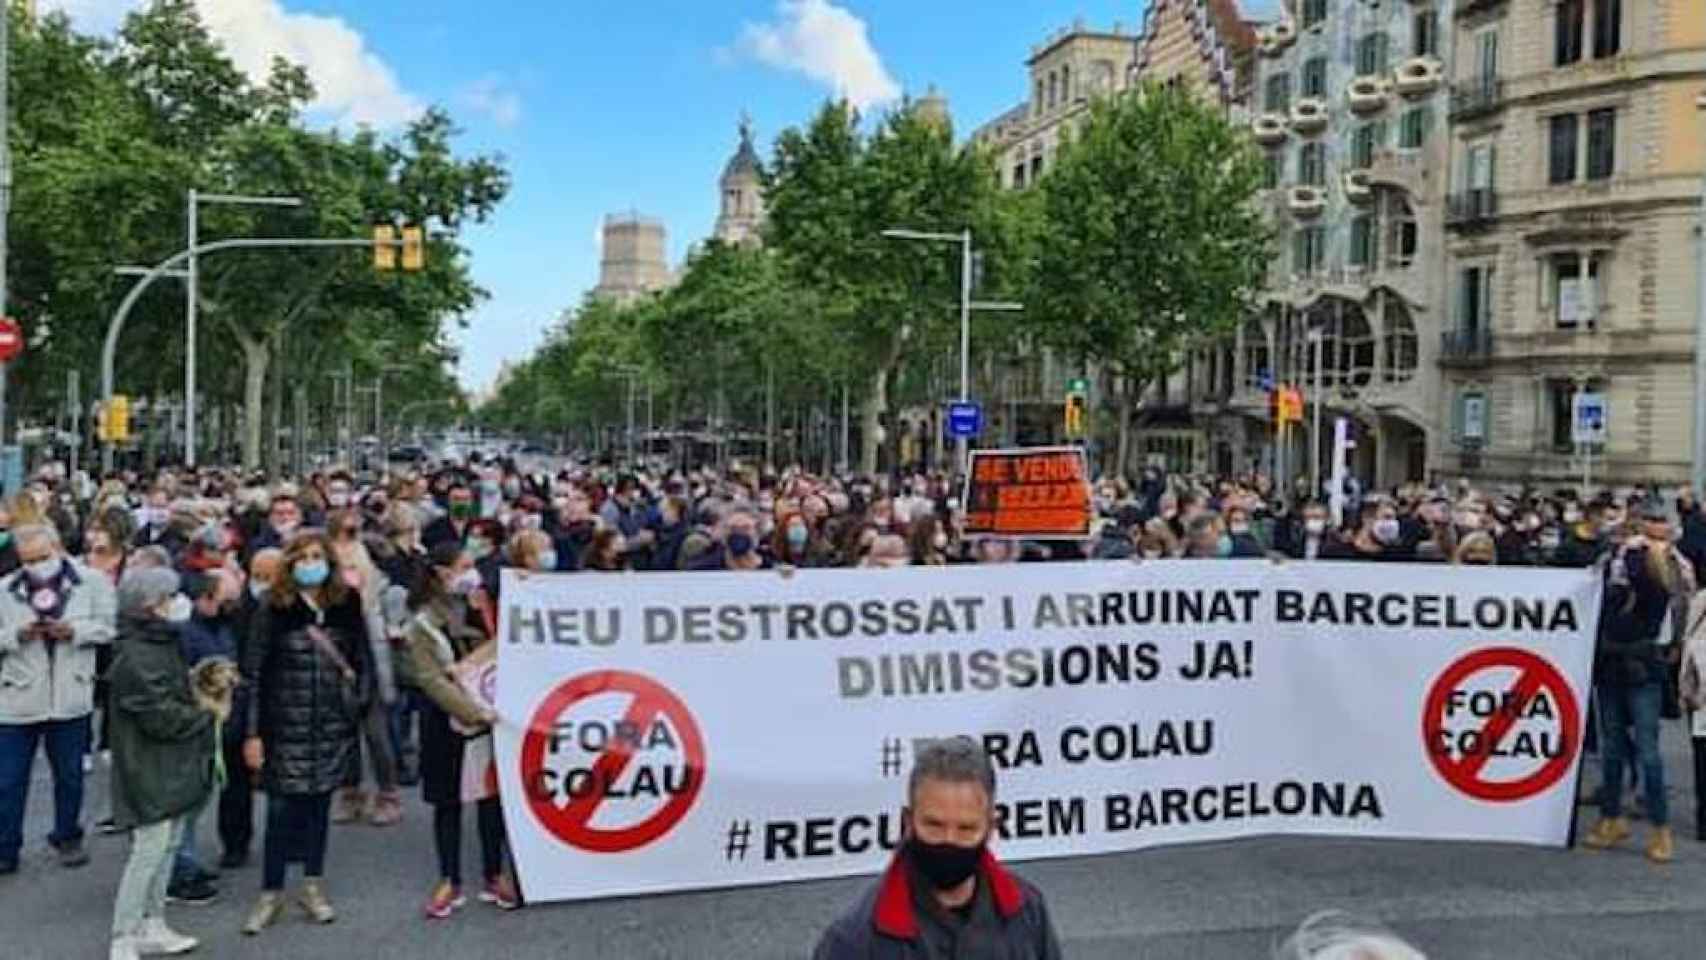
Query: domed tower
(742,215)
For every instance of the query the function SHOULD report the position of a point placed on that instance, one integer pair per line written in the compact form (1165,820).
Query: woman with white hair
(1332,935)
(162,747)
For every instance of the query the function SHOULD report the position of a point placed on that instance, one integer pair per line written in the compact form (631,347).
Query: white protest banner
(669,732)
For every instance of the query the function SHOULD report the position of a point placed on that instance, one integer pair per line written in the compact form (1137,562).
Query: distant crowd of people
(210,634)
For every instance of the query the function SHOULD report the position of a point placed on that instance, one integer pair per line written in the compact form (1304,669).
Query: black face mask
(945,865)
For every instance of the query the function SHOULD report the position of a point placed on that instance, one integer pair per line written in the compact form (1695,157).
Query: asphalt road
(1207,902)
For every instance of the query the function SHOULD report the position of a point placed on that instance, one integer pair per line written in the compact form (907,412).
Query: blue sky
(603,108)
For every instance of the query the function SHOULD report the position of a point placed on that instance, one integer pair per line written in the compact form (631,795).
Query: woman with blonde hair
(1477,549)
(361,574)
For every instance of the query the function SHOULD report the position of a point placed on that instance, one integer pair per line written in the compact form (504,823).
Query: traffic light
(114,420)
(1076,403)
(414,249)
(385,247)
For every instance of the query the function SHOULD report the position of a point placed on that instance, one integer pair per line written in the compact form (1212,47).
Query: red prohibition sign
(572,822)
(1533,675)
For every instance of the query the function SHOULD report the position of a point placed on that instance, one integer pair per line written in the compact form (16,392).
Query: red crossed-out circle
(1533,675)
(11,339)
(572,822)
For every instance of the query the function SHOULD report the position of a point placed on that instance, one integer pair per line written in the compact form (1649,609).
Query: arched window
(1355,347)
(1398,335)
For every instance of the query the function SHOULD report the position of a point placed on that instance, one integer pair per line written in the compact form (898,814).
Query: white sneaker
(123,948)
(157,938)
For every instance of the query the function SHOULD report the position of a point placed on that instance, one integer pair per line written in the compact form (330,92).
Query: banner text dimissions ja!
(935,616)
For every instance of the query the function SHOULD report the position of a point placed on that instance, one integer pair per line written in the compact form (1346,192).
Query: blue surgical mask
(740,544)
(547,559)
(1223,546)
(310,575)
(479,548)
(797,535)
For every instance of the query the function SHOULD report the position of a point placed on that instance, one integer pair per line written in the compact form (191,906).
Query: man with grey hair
(738,542)
(54,613)
(944,894)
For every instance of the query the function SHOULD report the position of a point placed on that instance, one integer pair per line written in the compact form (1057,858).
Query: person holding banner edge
(1642,581)
(944,893)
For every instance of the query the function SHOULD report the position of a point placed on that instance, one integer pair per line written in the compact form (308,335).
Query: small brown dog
(212,681)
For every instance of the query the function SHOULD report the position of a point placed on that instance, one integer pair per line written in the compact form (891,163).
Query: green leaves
(1153,241)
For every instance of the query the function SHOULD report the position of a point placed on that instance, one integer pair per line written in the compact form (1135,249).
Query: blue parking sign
(965,419)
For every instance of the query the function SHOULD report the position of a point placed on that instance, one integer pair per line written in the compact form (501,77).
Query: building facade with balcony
(1349,104)
(1577,157)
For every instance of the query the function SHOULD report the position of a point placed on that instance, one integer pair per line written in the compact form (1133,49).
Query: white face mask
(179,609)
(1315,527)
(43,570)
(337,500)
(465,582)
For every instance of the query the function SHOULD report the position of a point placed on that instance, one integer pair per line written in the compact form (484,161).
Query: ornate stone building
(1348,104)
(1577,153)
(740,219)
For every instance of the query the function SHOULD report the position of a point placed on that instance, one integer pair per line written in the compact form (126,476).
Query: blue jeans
(1638,708)
(184,863)
(66,742)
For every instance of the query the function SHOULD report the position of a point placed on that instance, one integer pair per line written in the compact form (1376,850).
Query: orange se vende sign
(1042,492)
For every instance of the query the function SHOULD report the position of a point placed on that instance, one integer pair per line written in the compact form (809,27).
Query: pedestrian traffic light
(385,247)
(414,249)
(1076,402)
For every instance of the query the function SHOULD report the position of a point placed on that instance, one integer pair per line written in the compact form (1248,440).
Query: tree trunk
(1124,409)
(870,421)
(256,358)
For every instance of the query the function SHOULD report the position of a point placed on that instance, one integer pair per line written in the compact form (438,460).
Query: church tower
(742,212)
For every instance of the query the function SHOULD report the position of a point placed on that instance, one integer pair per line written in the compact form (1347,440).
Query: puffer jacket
(42,681)
(162,742)
(300,706)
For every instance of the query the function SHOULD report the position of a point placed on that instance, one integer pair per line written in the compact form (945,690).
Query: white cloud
(354,85)
(491,96)
(825,42)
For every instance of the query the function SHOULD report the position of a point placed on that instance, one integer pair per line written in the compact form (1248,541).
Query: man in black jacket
(945,894)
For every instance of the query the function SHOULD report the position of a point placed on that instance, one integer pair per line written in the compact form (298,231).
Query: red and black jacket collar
(896,916)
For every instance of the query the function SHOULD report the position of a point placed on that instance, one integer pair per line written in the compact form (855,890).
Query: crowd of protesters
(301,639)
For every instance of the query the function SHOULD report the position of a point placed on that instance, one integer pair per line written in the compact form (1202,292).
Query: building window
(1019,176)
(1575,297)
(1314,77)
(1562,394)
(1272,170)
(1413,128)
(1402,234)
(1053,90)
(1474,300)
(1039,104)
(1368,138)
(1399,337)
(1602,143)
(1312,165)
(1066,84)
(1562,150)
(1487,59)
(1478,172)
(1567,35)
(1607,28)
(1277,97)
(1309,250)
(1371,53)
(1472,418)
(1424,35)
(1036,168)
(1362,252)
(1314,11)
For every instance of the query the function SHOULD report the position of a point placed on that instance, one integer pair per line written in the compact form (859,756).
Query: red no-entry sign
(1538,684)
(11,339)
(572,822)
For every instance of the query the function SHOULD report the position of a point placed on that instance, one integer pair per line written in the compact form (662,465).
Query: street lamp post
(196,199)
(964,239)
(1698,474)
